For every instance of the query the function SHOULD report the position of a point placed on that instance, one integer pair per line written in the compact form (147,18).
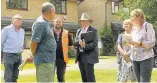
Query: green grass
(113,57)
(105,75)
(31,65)
(27,66)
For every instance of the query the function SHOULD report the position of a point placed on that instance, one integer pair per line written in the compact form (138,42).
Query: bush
(72,53)
(107,41)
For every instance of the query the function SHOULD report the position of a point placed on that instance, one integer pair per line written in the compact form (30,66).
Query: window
(115,6)
(60,6)
(17,4)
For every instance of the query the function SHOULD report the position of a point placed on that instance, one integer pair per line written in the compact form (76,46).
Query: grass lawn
(74,76)
(31,65)
(113,57)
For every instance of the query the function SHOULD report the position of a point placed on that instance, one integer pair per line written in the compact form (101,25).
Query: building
(102,12)
(31,9)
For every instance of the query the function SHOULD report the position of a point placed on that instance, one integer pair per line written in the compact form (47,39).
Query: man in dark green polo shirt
(43,45)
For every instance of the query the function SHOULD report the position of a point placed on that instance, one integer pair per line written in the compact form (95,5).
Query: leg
(136,67)
(16,70)
(8,72)
(89,69)
(61,68)
(45,72)
(8,64)
(146,70)
(82,70)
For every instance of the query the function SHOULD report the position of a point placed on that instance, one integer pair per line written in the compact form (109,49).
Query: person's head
(85,20)
(17,20)
(48,10)
(137,17)
(127,25)
(58,23)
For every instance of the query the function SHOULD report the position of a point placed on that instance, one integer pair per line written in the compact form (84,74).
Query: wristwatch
(140,43)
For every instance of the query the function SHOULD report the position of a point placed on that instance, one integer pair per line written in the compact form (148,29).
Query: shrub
(72,53)
(105,35)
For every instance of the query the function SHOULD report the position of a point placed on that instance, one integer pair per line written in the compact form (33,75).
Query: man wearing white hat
(87,49)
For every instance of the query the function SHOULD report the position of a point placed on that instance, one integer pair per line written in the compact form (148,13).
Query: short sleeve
(119,40)
(38,32)
(150,35)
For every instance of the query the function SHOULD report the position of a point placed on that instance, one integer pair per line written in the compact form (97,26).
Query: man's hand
(30,58)
(33,47)
(82,44)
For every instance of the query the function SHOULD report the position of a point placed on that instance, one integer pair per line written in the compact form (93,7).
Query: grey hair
(47,7)
(16,16)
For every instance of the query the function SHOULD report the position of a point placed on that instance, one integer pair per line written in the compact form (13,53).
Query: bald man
(43,45)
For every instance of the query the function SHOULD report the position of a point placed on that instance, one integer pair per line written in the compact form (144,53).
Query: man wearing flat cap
(87,49)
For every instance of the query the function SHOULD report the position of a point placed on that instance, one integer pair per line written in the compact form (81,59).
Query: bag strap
(146,30)
(121,37)
(146,26)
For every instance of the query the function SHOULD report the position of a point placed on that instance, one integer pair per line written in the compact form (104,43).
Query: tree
(148,6)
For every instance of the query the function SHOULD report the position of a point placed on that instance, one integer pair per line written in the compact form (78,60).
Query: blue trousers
(11,64)
(143,70)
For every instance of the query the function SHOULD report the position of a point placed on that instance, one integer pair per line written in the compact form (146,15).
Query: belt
(16,53)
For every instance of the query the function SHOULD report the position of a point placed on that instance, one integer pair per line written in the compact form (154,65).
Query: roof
(27,24)
(116,26)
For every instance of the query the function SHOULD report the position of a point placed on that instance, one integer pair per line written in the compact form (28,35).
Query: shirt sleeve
(3,37)
(38,32)
(70,40)
(150,34)
(119,40)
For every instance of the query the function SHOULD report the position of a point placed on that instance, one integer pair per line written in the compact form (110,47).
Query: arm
(150,42)
(121,50)
(33,47)
(3,37)
(92,44)
(37,35)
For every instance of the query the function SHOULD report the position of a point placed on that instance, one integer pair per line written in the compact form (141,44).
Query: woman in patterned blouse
(126,71)
(143,40)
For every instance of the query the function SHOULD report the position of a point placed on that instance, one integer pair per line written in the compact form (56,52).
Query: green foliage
(123,15)
(107,41)
(72,53)
(148,6)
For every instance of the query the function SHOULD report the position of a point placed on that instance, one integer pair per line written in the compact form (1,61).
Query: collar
(86,28)
(14,27)
(143,26)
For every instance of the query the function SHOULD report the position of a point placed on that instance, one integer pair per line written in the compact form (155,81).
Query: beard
(58,27)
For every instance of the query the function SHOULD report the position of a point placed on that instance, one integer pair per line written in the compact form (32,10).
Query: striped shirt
(147,36)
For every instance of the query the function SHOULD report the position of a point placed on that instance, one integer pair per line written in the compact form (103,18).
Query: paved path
(103,64)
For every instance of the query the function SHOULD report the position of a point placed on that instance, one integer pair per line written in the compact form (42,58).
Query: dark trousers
(11,64)
(61,68)
(86,69)
(143,70)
